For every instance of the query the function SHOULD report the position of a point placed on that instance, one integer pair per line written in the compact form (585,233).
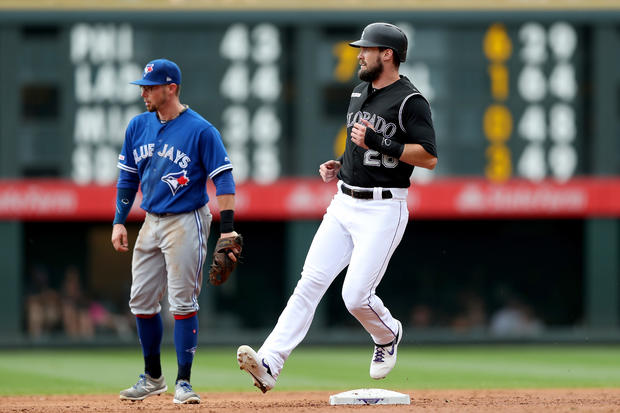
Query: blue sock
(185,342)
(150,332)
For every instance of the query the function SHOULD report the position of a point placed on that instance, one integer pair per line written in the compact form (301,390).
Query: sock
(150,332)
(185,342)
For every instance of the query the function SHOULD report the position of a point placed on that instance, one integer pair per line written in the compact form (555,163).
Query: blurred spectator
(106,321)
(515,318)
(472,312)
(71,310)
(43,305)
(421,316)
(83,316)
(76,318)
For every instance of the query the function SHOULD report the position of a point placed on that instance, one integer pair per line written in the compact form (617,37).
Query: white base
(369,396)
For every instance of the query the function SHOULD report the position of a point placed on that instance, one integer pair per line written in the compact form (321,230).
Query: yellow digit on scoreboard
(497,119)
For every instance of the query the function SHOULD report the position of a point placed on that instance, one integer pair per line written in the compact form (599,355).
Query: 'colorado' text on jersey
(398,112)
(173,157)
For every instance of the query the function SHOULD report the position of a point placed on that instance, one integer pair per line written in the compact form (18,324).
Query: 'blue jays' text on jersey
(173,160)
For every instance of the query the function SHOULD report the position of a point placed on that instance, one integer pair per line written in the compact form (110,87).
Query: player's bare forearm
(226,201)
(119,238)
(329,170)
(415,154)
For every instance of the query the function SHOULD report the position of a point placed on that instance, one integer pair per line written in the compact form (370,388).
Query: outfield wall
(520,215)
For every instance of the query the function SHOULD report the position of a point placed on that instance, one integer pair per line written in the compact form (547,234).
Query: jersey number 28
(371,158)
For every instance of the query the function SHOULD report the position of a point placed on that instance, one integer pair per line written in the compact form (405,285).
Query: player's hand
(229,235)
(119,238)
(358,133)
(328,170)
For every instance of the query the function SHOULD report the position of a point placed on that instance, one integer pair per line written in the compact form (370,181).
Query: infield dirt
(462,401)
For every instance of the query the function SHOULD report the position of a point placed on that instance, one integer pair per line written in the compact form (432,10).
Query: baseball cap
(159,72)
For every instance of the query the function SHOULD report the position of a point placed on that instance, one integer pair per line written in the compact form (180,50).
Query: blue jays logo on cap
(159,72)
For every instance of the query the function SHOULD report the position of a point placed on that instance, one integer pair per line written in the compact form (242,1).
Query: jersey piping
(402,107)
(127,168)
(220,169)
(200,258)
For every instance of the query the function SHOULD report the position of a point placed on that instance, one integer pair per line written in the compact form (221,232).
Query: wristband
(383,145)
(227,218)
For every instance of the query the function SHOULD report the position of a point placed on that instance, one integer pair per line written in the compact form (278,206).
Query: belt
(166,214)
(363,193)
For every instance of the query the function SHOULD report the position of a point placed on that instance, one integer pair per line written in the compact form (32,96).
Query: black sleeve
(418,124)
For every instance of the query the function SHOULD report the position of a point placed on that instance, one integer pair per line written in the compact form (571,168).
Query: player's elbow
(430,163)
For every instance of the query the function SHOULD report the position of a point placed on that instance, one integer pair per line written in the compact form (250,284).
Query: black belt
(166,214)
(363,193)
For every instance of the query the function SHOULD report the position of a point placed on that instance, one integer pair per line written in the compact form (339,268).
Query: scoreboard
(506,98)
(232,75)
(514,95)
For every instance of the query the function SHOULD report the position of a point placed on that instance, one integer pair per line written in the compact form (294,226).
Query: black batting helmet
(384,35)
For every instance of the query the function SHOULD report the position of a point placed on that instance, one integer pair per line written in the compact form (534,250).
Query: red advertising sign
(307,198)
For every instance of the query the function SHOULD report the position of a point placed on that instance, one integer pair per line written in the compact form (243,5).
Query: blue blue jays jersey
(173,160)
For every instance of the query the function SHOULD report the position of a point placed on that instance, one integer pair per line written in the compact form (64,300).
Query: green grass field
(84,371)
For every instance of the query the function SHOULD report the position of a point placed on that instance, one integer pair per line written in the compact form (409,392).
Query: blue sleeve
(128,180)
(126,189)
(126,160)
(124,201)
(214,154)
(224,183)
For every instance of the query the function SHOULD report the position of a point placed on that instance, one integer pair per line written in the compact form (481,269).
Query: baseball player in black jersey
(390,129)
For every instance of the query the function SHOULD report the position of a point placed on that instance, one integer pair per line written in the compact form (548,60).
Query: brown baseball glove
(223,265)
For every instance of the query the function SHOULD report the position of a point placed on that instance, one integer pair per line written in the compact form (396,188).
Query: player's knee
(138,305)
(354,299)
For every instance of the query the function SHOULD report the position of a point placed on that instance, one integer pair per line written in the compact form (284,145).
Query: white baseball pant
(359,233)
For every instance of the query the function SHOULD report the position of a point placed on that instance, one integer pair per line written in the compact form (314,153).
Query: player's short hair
(395,58)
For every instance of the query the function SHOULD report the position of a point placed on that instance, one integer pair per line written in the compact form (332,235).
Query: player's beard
(156,104)
(371,74)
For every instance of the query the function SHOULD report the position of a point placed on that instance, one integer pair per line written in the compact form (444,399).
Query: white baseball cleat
(257,368)
(184,394)
(145,387)
(384,357)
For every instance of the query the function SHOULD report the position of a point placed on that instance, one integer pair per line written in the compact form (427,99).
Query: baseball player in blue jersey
(170,151)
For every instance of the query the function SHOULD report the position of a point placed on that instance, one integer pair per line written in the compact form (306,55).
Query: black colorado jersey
(397,111)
